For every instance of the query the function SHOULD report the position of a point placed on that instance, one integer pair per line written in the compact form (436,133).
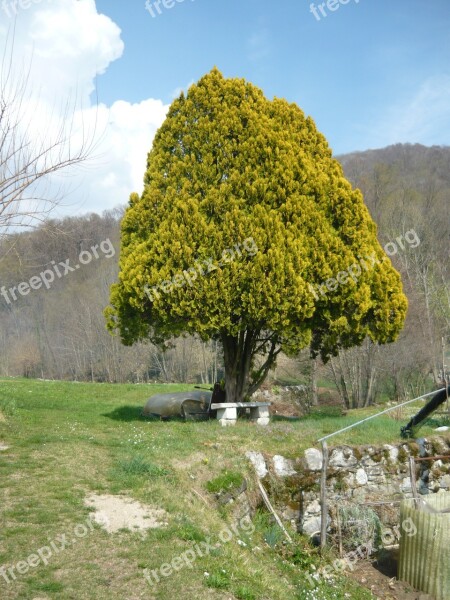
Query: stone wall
(368,476)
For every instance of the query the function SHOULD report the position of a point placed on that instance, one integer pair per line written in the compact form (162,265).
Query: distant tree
(406,188)
(249,187)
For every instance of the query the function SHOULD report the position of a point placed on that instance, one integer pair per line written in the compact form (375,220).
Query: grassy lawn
(69,440)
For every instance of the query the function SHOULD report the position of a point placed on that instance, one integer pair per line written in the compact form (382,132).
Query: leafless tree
(27,160)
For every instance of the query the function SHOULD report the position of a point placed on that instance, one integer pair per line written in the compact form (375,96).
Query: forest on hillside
(54,285)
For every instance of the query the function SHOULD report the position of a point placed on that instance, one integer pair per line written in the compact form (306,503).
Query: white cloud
(68,44)
(119,166)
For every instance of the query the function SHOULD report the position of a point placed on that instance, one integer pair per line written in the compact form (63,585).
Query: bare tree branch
(29,159)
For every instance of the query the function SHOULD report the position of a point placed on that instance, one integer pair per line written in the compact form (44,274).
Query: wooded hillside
(56,284)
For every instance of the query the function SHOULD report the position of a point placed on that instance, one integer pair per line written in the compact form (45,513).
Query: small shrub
(414,448)
(360,526)
(340,484)
(226,481)
(219,580)
(137,465)
(244,593)
(189,532)
(273,535)
(302,558)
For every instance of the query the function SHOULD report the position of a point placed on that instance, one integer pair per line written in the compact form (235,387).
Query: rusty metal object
(188,405)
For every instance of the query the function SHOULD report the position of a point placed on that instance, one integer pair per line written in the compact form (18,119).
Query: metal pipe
(326,437)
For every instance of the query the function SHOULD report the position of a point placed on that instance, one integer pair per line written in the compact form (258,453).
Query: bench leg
(227,416)
(260,415)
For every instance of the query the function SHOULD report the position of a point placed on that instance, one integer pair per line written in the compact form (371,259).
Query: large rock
(406,485)
(361,477)
(313,508)
(283,467)
(393,452)
(376,474)
(311,526)
(342,458)
(314,459)
(444,482)
(259,463)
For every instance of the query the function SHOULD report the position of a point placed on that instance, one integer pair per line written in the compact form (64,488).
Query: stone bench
(227,412)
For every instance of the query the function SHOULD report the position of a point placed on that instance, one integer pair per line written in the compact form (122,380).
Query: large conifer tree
(241,232)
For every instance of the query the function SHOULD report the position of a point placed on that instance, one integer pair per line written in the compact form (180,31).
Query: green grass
(68,440)
(226,481)
(137,465)
(7,405)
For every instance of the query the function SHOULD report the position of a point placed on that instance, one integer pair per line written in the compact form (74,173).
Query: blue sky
(365,72)
(370,73)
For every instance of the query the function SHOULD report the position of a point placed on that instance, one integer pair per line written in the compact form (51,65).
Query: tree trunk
(340,382)
(315,397)
(238,356)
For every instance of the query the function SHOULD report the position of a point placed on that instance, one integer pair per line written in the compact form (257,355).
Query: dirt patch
(379,578)
(117,512)
(190,462)
(284,408)
(3,447)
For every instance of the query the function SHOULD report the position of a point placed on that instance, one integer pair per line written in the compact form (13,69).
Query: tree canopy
(247,231)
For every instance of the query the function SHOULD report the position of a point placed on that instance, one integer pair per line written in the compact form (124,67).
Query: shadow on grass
(326,412)
(316,414)
(128,413)
(134,413)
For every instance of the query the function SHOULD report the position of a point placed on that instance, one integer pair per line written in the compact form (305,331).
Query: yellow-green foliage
(227,165)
